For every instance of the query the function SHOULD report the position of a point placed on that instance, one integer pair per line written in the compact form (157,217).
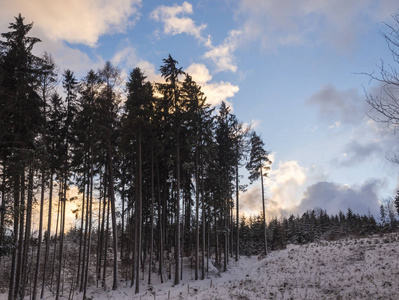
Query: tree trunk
(99,237)
(39,247)
(226,238)
(123,239)
(90,210)
(237,212)
(21,235)
(139,213)
(16,182)
(203,219)
(3,203)
(103,232)
(81,227)
(106,247)
(160,227)
(62,230)
(48,237)
(86,216)
(113,214)
(56,233)
(27,232)
(177,242)
(152,215)
(264,210)
(197,184)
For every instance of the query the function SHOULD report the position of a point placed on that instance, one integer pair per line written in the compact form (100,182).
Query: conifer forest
(159,174)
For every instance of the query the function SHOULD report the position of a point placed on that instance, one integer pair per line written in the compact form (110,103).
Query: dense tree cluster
(155,165)
(157,171)
(311,226)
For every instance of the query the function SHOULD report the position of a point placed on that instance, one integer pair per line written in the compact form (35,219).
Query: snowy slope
(348,269)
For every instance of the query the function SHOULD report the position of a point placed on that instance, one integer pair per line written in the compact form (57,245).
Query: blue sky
(289,68)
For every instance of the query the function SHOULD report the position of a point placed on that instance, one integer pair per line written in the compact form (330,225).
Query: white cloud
(128,58)
(335,125)
(174,21)
(222,55)
(58,23)
(67,57)
(199,73)
(216,92)
(73,21)
(334,197)
(253,125)
(286,182)
(283,190)
(287,191)
(310,22)
(219,91)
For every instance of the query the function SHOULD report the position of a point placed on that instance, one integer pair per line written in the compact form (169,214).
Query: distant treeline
(312,226)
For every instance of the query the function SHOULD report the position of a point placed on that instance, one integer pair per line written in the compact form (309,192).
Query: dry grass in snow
(347,269)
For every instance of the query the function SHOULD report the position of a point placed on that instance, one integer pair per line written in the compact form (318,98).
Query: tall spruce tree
(136,128)
(109,100)
(70,85)
(195,112)
(171,96)
(225,168)
(21,112)
(258,166)
(48,82)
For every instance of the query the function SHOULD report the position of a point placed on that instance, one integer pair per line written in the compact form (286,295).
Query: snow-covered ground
(347,269)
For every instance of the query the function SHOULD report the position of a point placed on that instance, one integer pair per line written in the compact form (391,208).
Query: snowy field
(346,269)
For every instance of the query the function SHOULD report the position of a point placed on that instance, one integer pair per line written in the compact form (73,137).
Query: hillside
(366,268)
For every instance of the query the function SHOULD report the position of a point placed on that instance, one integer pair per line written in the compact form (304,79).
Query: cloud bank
(361,199)
(344,106)
(348,111)
(289,190)
(74,21)
(336,23)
